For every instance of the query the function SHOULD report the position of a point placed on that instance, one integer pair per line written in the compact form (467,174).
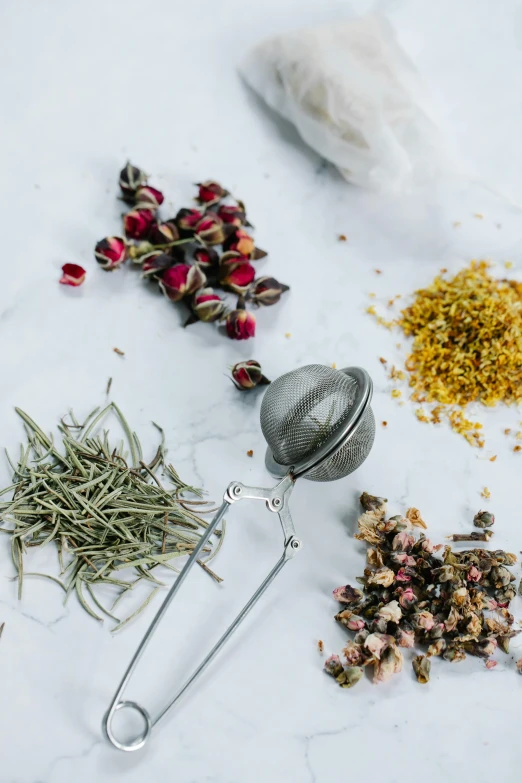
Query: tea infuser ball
(318,425)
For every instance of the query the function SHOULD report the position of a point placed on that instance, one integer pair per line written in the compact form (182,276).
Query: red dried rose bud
(164,233)
(248,375)
(235,272)
(73,274)
(138,223)
(156,262)
(232,215)
(186,221)
(240,325)
(207,258)
(240,242)
(207,305)
(148,197)
(210,229)
(210,191)
(267,291)
(181,280)
(131,178)
(110,252)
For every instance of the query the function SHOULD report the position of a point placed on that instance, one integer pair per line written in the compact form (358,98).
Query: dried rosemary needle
(109,515)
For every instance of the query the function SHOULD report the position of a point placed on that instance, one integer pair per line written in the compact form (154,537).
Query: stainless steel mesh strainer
(318,425)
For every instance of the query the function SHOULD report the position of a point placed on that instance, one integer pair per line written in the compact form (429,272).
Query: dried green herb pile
(109,515)
(452,605)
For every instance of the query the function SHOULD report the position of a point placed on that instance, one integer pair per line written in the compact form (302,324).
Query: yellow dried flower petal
(396,393)
(485,493)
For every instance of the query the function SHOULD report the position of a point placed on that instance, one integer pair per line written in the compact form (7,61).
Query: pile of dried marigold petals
(193,253)
(451,605)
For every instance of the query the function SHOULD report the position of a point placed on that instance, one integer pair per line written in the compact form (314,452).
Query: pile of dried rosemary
(107,516)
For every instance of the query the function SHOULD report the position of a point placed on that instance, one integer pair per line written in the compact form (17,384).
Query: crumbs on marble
(288,335)
(384,423)
(456,223)
(334,366)
(320,646)
(478,215)
(378,272)
(508,264)
(371,295)
(493,458)
(250,453)
(119,351)
(342,238)
(485,493)
(396,393)
(382,360)
(517,448)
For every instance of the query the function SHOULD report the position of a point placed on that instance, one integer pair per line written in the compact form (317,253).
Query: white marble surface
(83,86)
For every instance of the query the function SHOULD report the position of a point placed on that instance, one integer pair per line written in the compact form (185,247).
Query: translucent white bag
(354,97)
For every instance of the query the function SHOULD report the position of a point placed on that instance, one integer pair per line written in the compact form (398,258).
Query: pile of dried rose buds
(192,254)
(453,605)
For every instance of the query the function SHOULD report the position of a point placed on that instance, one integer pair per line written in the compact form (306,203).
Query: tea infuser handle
(277,501)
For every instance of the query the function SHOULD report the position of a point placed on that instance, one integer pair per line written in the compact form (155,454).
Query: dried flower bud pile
(194,253)
(452,605)
(467,345)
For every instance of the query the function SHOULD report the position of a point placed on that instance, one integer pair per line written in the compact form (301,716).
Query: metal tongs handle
(276,501)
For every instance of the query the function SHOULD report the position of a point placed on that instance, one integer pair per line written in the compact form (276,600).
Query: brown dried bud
(267,291)
(347,595)
(500,577)
(333,666)
(422,667)
(437,648)
(131,178)
(373,503)
(164,233)
(484,519)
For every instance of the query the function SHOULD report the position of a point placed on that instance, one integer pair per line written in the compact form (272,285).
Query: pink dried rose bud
(403,559)
(210,229)
(210,192)
(389,664)
(353,654)
(474,575)
(267,291)
(241,242)
(186,221)
(347,594)
(333,666)
(403,541)
(424,620)
(491,664)
(407,598)
(148,197)
(131,177)
(232,215)
(110,252)
(405,637)
(164,233)
(376,643)
(355,623)
(240,325)
(207,258)
(156,262)
(402,576)
(181,280)
(207,305)
(248,375)
(138,223)
(73,274)
(235,272)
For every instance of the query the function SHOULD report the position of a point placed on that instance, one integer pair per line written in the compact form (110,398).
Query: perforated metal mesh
(303,408)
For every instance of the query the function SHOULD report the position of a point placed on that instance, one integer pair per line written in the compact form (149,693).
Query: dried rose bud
(73,274)
(484,519)
(232,215)
(207,258)
(350,676)
(373,503)
(460,596)
(474,626)
(267,291)
(210,229)
(391,612)
(437,631)
(421,667)
(453,654)
(437,648)
(355,623)
(423,620)
(148,197)
(240,325)
(240,242)
(407,598)
(491,664)
(138,223)
(186,221)
(181,280)
(403,559)
(164,233)
(207,305)
(333,666)
(131,178)
(353,654)
(110,252)
(500,577)
(402,576)
(405,637)
(156,262)
(445,574)
(403,542)
(347,595)
(210,191)
(474,575)
(235,272)
(378,625)
(389,664)
(376,643)
(248,375)
(452,620)
(383,576)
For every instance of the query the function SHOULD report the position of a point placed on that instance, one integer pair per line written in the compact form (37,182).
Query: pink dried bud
(235,272)
(210,229)
(491,664)
(347,595)
(208,306)
(240,242)
(427,546)
(138,223)
(390,664)
(424,620)
(131,178)
(110,252)
(156,262)
(333,666)
(405,637)
(353,654)
(403,541)
(376,643)
(355,623)
(390,612)
(164,233)
(402,576)
(210,191)
(407,598)
(267,291)
(402,558)
(232,215)
(73,274)
(186,221)
(248,375)
(181,280)
(240,325)
(490,603)
(207,258)
(148,197)
(474,575)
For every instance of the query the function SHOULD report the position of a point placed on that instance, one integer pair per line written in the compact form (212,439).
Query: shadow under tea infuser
(318,425)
